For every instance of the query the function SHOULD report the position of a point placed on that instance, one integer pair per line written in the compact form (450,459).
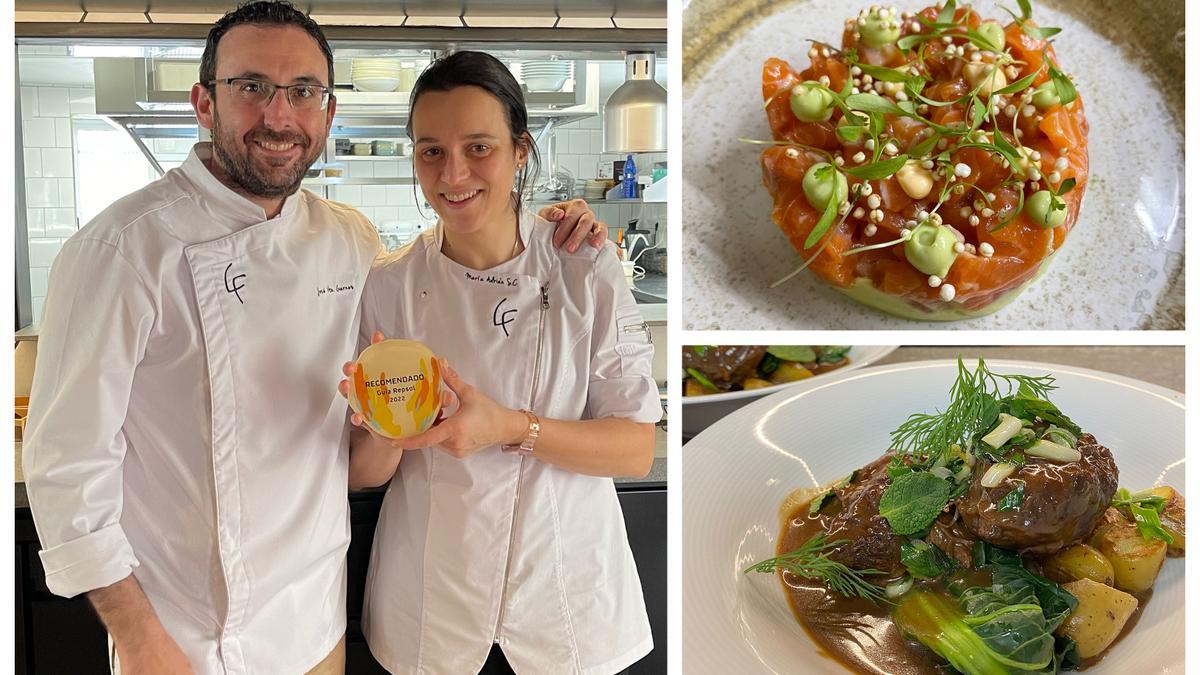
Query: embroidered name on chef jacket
(508,280)
(332,289)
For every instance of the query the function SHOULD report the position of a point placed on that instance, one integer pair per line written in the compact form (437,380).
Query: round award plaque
(397,388)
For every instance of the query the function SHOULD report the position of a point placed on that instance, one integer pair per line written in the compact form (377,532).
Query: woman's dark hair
(477,69)
(260,12)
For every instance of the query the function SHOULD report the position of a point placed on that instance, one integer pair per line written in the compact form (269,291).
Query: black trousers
(496,664)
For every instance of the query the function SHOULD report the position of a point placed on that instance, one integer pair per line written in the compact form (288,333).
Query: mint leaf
(912,502)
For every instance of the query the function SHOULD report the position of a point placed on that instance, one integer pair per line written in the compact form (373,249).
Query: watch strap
(526,446)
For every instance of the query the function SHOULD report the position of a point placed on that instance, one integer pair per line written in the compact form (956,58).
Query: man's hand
(479,422)
(575,223)
(143,646)
(348,369)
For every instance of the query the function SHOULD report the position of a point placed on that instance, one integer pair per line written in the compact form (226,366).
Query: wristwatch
(526,446)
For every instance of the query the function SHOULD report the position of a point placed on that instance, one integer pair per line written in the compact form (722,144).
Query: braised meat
(1063,502)
(872,544)
(949,534)
(725,365)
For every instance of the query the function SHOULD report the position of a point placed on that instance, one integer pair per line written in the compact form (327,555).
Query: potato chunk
(1099,618)
(1172,518)
(789,371)
(1136,561)
(1079,562)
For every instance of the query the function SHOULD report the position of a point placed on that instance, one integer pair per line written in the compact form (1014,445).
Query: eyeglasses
(259,93)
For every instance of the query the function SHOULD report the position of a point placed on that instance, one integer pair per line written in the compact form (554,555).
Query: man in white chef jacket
(185,454)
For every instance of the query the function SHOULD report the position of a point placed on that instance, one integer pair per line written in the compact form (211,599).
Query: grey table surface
(1163,366)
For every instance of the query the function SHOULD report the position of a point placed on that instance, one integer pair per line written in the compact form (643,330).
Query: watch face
(397,388)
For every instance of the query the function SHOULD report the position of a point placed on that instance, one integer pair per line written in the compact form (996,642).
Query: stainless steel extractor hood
(635,116)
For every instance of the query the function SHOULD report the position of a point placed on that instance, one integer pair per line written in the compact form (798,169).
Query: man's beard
(235,160)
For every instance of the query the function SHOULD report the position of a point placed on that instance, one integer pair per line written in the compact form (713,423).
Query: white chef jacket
(185,423)
(497,547)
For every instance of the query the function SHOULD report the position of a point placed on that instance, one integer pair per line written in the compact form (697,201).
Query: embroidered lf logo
(233,285)
(502,318)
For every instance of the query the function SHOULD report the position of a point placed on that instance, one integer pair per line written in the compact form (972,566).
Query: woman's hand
(478,423)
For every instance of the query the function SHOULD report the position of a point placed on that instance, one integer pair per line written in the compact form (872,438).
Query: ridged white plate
(701,411)
(737,473)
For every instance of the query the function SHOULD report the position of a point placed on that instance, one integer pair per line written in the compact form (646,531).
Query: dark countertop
(658,474)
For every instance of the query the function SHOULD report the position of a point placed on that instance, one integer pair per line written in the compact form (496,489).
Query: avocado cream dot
(822,182)
(811,103)
(930,249)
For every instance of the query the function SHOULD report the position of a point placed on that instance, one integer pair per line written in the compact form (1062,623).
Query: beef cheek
(871,543)
(1063,502)
(725,365)
(949,534)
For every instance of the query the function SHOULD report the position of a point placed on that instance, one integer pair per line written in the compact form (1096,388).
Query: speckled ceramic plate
(1121,267)
(739,471)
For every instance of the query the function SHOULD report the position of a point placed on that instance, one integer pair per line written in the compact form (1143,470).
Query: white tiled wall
(49,175)
(580,151)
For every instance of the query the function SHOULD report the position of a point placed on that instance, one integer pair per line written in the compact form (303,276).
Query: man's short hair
(261,13)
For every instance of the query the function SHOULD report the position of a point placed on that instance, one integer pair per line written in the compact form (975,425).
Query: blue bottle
(629,181)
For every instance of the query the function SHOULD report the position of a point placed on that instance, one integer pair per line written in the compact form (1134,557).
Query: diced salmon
(1019,249)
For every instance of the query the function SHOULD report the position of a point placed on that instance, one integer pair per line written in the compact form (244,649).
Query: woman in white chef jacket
(501,542)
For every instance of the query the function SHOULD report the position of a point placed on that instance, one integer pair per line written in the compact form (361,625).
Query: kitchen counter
(651,288)
(654,313)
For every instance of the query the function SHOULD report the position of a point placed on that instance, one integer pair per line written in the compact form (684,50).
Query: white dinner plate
(1121,267)
(738,472)
(701,411)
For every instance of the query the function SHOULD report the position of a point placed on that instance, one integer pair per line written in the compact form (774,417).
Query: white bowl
(701,411)
(738,472)
(376,83)
(545,82)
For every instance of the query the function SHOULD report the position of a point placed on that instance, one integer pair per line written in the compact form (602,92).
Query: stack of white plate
(545,75)
(595,189)
(375,74)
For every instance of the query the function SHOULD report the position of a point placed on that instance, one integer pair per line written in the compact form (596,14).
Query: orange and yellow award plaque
(397,388)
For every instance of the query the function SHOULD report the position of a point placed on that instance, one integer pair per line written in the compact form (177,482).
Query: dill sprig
(811,561)
(974,404)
